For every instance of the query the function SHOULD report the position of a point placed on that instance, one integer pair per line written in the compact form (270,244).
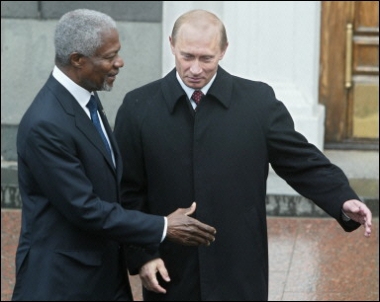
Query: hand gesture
(186,230)
(359,212)
(148,275)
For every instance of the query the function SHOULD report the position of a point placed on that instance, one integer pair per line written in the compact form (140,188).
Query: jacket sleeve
(303,166)
(52,156)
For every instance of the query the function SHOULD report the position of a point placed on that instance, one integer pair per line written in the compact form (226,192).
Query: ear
(77,59)
(223,52)
(171,44)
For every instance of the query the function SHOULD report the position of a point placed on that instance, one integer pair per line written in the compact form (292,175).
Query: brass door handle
(349,33)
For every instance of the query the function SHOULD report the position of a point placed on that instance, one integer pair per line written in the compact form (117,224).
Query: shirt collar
(79,93)
(220,88)
(189,91)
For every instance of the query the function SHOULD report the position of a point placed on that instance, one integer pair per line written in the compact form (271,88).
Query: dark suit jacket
(218,157)
(73,225)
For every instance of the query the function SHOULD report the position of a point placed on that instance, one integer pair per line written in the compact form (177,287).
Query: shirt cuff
(165,229)
(345,217)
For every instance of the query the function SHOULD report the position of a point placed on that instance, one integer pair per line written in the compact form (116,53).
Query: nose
(195,68)
(119,62)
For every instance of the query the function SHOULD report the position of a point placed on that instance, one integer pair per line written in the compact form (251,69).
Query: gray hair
(80,31)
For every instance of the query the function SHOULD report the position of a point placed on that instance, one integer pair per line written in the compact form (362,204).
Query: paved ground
(311,259)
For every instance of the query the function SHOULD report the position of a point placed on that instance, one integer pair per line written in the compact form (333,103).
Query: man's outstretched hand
(188,231)
(358,211)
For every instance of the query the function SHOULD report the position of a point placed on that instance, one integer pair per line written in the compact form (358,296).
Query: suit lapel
(82,121)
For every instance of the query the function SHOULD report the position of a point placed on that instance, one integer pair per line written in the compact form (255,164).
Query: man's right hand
(188,231)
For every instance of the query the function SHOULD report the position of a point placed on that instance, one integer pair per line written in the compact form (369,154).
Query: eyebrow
(190,54)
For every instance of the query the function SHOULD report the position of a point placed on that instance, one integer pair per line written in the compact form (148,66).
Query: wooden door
(349,75)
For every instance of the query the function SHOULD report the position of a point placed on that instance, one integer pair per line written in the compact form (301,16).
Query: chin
(106,87)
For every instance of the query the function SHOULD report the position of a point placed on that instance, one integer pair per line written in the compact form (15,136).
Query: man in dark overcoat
(179,146)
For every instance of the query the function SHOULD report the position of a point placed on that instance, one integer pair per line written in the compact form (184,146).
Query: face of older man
(99,71)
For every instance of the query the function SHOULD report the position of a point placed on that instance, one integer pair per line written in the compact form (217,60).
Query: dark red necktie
(197,96)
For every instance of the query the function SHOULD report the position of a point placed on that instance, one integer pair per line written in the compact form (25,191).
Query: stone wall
(27,54)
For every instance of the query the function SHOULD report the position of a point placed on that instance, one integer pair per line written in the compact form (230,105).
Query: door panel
(366,110)
(349,75)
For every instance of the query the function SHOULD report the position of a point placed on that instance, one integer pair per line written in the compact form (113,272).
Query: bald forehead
(198,27)
(199,18)
(200,14)
(199,21)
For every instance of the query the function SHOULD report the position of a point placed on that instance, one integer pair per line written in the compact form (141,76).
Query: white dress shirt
(82,96)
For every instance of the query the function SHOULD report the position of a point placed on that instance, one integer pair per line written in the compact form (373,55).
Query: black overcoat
(219,157)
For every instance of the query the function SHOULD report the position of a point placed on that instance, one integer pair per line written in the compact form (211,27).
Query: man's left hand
(358,211)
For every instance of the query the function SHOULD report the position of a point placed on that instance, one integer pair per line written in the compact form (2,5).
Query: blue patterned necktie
(93,107)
